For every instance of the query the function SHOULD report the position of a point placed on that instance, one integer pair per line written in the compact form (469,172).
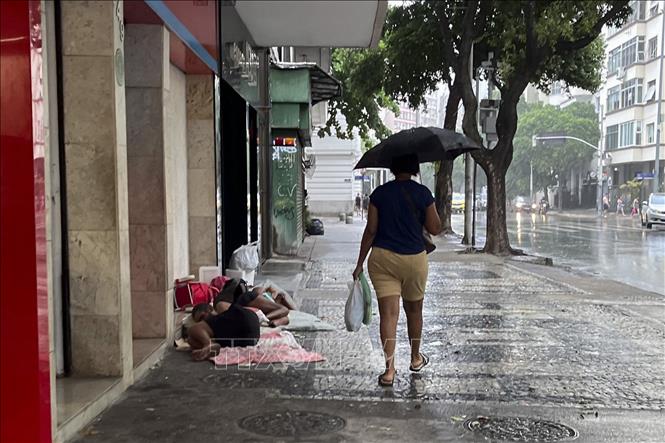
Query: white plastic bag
(355,307)
(245,257)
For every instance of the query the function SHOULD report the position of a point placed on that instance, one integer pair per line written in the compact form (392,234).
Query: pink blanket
(273,347)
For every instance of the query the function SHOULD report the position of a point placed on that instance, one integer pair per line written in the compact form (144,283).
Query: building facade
(632,95)
(333,185)
(559,95)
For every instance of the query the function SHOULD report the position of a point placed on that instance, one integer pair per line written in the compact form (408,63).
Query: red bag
(189,293)
(219,282)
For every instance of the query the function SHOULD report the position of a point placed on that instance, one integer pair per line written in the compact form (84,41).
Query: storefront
(295,87)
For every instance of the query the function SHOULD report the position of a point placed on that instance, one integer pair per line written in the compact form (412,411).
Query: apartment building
(631,95)
(559,95)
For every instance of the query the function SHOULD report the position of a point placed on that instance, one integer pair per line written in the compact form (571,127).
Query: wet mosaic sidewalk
(511,351)
(495,334)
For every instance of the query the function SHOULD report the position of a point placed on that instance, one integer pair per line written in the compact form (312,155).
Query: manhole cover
(292,423)
(520,429)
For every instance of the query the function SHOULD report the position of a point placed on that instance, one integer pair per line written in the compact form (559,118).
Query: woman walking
(398,211)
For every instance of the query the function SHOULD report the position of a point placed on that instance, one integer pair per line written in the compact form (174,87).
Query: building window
(639,11)
(654,9)
(613,98)
(653,48)
(628,134)
(651,92)
(614,60)
(650,133)
(612,137)
(631,92)
(625,55)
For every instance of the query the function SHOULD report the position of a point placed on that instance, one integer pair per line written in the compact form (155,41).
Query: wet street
(615,247)
(519,352)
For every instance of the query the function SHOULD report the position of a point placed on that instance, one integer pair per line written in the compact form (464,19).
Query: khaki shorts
(398,274)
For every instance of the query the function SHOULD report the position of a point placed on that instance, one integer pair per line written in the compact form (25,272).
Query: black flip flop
(421,365)
(387,384)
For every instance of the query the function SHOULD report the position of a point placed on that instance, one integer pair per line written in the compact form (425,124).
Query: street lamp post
(598,149)
(531,181)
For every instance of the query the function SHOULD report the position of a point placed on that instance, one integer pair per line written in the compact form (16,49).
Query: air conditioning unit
(620,73)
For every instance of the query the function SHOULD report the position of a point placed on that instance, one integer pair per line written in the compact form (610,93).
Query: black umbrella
(429,143)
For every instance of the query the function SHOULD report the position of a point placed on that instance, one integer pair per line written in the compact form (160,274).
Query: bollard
(349,219)
(342,216)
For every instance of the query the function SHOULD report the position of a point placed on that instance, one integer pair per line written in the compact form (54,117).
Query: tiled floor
(74,393)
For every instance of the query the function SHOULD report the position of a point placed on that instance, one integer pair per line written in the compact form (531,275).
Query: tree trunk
(444,194)
(444,176)
(495,163)
(497,241)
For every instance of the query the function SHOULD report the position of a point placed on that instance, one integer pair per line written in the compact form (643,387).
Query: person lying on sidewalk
(199,312)
(232,326)
(277,295)
(274,304)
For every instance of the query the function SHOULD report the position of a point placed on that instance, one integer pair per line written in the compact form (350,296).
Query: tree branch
(529,20)
(446,33)
(468,26)
(481,23)
(564,45)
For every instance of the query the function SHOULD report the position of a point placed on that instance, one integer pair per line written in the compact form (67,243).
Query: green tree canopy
(578,120)
(535,42)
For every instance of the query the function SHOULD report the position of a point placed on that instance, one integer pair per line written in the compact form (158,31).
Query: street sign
(644,175)
(553,141)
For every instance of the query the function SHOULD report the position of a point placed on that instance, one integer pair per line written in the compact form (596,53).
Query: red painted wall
(24,359)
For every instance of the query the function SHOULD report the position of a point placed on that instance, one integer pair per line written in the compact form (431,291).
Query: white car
(653,210)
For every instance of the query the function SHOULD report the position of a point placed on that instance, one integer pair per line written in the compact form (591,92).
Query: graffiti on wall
(285,198)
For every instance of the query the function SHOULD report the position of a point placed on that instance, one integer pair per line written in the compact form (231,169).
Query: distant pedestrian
(358,203)
(398,212)
(606,205)
(636,207)
(620,206)
(365,206)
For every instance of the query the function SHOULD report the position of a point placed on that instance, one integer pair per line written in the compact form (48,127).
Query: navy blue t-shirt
(399,230)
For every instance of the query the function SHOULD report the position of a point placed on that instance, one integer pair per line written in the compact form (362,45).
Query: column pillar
(96,171)
(146,67)
(202,220)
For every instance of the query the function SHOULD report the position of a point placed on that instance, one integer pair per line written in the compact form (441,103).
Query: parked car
(521,204)
(653,210)
(458,204)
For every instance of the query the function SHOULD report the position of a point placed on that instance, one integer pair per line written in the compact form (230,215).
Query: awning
(323,86)
(320,23)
